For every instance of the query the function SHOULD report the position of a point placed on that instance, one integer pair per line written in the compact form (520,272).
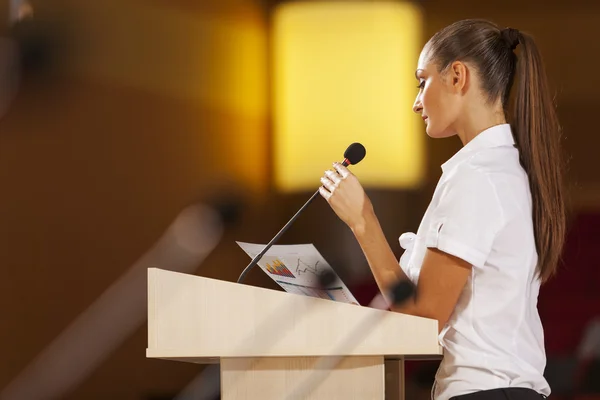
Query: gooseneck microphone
(352,156)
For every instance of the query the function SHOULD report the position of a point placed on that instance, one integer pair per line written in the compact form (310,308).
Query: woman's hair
(533,117)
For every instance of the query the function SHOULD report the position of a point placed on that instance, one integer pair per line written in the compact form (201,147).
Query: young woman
(494,228)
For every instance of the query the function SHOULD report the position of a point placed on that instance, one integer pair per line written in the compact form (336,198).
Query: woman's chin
(436,133)
(430,131)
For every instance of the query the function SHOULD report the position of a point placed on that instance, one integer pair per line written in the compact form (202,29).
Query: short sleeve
(467,218)
(408,241)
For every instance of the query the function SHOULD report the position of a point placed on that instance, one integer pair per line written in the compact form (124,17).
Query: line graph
(302,267)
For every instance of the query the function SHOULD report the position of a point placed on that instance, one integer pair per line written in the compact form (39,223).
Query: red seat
(572,298)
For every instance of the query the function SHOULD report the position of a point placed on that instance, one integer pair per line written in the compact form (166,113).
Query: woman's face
(436,101)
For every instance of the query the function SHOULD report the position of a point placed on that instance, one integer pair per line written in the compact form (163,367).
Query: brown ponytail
(533,119)
(537,133)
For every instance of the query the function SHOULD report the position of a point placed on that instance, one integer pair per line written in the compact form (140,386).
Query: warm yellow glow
(213,61)
(343,73)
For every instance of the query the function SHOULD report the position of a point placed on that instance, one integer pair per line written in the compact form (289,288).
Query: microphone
(352,156)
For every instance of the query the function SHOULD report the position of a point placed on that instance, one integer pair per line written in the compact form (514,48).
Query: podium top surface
(191,318)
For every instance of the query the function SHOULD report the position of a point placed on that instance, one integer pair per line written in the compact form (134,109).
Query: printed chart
(296,268)
(331,293)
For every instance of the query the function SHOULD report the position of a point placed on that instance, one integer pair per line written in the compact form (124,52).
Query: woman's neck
(476,120)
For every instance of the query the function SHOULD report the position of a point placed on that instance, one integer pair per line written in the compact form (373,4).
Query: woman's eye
(421,85)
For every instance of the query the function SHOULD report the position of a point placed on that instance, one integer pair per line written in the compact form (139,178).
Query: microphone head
(355,153)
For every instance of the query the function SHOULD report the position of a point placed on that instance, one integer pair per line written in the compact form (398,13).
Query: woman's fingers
(326,195)
(333,176)
(332,179)
(328,184)
(341,170)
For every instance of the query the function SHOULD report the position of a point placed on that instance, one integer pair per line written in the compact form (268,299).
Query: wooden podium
(276,345)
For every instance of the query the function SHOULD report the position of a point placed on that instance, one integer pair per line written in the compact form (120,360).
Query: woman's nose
(417,106)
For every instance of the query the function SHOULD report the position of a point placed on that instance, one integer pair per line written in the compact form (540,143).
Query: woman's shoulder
(495,179)
(489,168)
(470,176)
(494,161)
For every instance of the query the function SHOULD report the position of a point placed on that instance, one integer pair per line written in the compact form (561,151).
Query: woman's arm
(441,280)
(442,276)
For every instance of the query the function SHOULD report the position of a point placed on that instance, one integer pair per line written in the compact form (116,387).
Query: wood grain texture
(359,378)
(196,319)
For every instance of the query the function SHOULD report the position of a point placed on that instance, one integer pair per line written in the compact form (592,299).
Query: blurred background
(155,133)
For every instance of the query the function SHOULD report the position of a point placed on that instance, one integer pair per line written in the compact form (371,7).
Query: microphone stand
(256,259)
(260,255)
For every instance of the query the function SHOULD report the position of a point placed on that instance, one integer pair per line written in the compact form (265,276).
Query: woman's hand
(346,196)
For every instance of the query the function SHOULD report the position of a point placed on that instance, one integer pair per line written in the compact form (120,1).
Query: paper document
(296,269)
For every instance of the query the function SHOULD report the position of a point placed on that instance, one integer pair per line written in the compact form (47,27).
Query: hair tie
(510,37)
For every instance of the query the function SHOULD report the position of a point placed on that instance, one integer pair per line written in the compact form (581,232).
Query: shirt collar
(496,136)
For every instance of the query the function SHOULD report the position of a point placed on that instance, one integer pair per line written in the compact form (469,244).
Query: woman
(494,228)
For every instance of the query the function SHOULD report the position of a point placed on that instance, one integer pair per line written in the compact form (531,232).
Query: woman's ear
(459,75)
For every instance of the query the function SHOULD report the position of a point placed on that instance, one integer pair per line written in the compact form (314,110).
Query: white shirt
(481,212)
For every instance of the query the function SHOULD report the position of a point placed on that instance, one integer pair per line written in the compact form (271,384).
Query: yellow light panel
(344,73)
